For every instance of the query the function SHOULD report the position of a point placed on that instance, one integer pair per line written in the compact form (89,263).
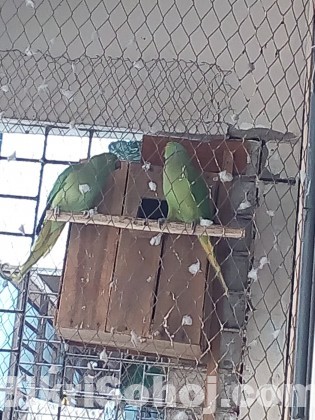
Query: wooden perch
(146,225)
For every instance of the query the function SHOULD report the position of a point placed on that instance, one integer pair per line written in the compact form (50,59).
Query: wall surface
(112,63)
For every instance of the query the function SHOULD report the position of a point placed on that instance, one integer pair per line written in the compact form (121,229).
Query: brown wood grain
(223,202)
(179,292)
(214,293)
(137,264)
(208,154)
(120,340)
(89,264)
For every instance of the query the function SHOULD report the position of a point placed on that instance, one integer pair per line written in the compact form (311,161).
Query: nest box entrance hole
(152,208)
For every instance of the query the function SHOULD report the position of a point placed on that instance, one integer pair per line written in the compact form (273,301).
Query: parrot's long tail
(209,250)
(46,240)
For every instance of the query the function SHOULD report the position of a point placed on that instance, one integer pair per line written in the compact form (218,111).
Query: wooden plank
(118,340)
(223,201)
(143,225)
(138,186)
(137,264)
(208,154)
(225,214)
(89,264)
(214,294)
(180,293)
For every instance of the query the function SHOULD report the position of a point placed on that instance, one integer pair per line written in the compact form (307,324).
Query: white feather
(156,240)
(245,204)
(225,176)
(205,222)
(263,261)
(29,3)
(103,356)
(22,230)
(194,268)
(67,93)
(253,343)
(235,118)
(84,188)
(253,274)
(42,88)
(138,64)
(29,52)
(152,186)
(187,320)
(12,156)
(146,166)
(275,333)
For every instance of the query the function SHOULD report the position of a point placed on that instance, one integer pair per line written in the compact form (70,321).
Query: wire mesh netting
(152,164)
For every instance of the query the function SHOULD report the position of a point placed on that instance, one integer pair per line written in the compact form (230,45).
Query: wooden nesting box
(119,290)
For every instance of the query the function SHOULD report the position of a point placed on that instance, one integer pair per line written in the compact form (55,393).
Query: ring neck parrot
(187,196)
(77,188)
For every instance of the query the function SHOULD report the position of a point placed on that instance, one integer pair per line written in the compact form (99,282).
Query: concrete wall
(259,46)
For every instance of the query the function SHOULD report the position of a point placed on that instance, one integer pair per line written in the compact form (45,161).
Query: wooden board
(110,285)
(214,294)
(180,293)
(207,155)
(137,264)
(123,341)
(89,264)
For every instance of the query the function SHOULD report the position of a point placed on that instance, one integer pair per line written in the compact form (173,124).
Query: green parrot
(187,196)
(78,188)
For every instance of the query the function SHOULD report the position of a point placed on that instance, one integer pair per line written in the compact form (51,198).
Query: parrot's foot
(161,221)
(14,276)
(90,213)
(193,226)
(56,211)
(4,269)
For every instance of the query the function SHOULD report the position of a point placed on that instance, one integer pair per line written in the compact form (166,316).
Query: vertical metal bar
(303,358)
(90,142)
(310,355)
(19,336)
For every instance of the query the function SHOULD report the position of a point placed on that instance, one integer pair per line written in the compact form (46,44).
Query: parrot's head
(106,160)
(173,148)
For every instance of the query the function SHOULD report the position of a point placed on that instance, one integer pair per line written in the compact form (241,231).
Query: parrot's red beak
(117,164)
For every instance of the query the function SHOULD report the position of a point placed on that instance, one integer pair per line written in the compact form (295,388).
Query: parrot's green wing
(199,190)
(185,190)
(58,185)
